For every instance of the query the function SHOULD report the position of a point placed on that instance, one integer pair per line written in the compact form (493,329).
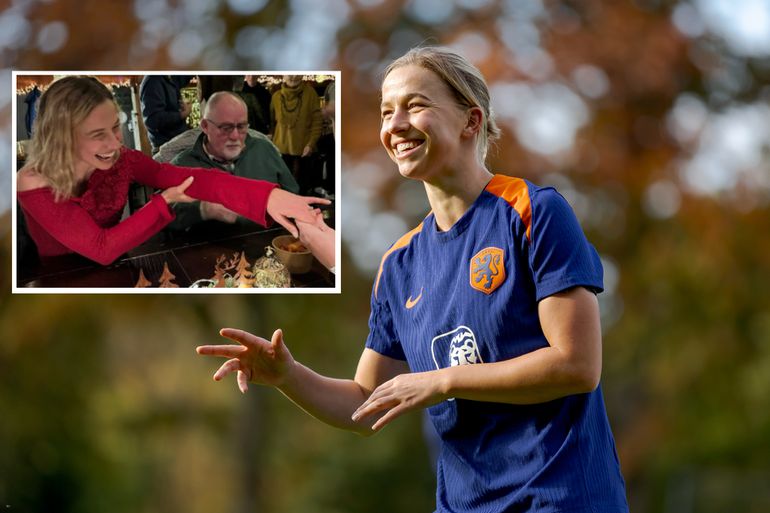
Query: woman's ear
(475,118)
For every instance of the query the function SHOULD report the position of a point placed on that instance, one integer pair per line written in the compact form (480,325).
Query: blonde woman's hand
(402,394)
(284,207)
(177,194)
(254,359)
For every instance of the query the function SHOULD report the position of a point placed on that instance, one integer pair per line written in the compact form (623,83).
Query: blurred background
(652,117)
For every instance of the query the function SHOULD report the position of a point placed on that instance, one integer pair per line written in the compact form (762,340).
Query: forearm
(241,195)
(536,377)
(73,227)
(320,241)
(329,400)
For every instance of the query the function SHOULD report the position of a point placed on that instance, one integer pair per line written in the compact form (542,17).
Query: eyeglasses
(228,128)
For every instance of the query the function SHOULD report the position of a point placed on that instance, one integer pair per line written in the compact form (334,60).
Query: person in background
(74,187)
(330,105)
(259,114)
(163,110)
(326,145)
(295,115)
(485,315)
(225,144)
(206,86)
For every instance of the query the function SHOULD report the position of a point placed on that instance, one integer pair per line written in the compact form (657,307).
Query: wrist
(290,378)
(444,383)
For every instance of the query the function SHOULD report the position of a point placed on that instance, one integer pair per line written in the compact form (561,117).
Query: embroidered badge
(487,269)
(456,347)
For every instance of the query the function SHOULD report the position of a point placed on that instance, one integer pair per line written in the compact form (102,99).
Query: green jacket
(259,160)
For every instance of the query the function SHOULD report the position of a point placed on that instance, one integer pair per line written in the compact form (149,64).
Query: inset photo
(196,182)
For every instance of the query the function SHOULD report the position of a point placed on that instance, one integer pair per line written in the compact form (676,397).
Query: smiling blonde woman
(485,315)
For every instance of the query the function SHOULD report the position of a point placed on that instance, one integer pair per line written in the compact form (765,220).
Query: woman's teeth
(406,146)
(106,157)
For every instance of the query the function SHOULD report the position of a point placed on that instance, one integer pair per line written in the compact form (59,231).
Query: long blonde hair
(463,79)
(66,103)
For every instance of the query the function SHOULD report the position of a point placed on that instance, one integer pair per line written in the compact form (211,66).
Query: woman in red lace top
(75,184)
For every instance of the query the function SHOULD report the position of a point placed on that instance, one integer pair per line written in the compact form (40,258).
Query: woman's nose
(117,139)
(398,122)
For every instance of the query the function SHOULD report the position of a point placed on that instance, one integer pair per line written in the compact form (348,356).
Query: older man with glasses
(227,144)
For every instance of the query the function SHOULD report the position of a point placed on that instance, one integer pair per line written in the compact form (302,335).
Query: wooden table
(190,256)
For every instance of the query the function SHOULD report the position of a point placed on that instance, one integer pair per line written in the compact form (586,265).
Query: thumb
(288,224)
(184,185)
(277,340)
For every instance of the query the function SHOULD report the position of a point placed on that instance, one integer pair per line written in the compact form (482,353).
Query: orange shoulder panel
(516,193)
(400,243)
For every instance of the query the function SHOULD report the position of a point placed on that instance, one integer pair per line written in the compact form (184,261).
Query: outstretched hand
(255,359)
(402,394)
(284,206)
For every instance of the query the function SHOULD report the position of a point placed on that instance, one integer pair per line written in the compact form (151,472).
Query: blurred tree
(651,117)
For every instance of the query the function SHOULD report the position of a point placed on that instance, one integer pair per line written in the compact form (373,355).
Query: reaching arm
(571,364)
(253,199)
(246,197)
(72,226)
(328,399)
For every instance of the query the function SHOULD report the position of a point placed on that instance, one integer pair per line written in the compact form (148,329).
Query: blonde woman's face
(422,124)
(98,138)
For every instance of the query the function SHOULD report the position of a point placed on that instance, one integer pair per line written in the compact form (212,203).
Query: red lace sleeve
(241,195)
(72,226)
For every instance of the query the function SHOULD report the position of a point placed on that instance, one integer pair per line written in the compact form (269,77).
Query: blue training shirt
(469,295)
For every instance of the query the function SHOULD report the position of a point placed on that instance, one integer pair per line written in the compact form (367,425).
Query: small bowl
(296,262)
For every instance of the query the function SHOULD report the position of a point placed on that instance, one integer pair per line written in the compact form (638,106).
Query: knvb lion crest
(457,347)
(488,269)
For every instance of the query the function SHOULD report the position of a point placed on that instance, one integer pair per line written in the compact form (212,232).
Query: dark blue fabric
(29,118)
(549,457)
(161,106)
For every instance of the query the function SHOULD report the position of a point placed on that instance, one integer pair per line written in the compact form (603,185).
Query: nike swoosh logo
(411,302)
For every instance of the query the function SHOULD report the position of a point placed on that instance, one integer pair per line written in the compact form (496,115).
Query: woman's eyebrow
(417,95)
(406,97)
(97,130)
